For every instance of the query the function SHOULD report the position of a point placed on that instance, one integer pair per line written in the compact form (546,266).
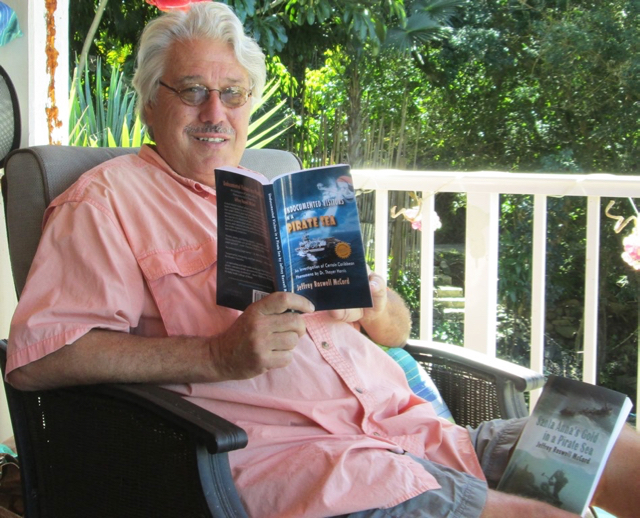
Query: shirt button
(326,345)
(200,190)
(359,390)
(376,434)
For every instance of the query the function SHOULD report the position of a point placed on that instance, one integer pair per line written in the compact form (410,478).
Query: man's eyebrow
(190,79)
(200,80)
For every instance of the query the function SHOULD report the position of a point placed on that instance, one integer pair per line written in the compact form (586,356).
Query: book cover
(299,232)
(565,444)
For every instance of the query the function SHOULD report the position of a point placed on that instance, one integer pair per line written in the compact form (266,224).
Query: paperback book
(565,444)
(299,232)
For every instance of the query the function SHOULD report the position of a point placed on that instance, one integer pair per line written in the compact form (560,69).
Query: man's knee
(493,442)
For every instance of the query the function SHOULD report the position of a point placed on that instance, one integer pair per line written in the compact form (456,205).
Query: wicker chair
(142,451)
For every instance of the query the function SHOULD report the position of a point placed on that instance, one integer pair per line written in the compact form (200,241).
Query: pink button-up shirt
(132,247)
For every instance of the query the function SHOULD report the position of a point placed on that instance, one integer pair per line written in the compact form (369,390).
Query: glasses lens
(234,96)
(194,95)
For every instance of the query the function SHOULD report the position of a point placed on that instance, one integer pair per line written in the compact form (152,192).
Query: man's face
(194,140)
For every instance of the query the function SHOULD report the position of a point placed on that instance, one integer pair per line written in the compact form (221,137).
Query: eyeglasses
(231,97)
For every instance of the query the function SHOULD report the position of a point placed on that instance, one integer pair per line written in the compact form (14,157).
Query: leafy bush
(103,117)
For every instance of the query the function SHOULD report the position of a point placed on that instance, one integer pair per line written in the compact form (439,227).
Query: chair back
(121,439)
(38,174)
(10,125)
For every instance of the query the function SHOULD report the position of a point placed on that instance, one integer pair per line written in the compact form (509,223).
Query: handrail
(549,184)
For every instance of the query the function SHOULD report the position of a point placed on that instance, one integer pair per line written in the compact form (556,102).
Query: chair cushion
(419,380)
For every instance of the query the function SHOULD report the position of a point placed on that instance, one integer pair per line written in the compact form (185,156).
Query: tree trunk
(354,115)
(89,39)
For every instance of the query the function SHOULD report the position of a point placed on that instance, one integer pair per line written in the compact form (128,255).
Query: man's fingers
(346,315)
(378,285)
(284,341)
(266,334)
(282,302)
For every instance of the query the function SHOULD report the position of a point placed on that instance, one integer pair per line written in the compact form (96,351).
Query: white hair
(204,20)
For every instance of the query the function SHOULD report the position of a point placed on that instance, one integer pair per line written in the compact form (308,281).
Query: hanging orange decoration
(51,52)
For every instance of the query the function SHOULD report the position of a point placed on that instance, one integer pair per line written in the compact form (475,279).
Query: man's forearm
(115,357)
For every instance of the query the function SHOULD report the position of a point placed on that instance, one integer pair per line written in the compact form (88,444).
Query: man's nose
(212,110)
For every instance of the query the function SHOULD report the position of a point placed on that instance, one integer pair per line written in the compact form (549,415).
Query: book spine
(276,241)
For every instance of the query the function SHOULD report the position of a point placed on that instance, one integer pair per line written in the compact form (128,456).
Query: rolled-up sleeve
(84,276)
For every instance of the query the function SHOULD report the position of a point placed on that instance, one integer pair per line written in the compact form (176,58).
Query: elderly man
(123,290)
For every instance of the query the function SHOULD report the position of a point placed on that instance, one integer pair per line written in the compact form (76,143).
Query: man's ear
(148,114)
(148,117)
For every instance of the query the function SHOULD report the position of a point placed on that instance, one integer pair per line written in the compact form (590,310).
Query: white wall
(13,57)
(24,59)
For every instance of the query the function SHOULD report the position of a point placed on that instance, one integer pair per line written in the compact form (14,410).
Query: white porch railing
(483,191)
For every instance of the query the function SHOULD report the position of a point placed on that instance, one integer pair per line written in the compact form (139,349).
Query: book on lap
(565,444)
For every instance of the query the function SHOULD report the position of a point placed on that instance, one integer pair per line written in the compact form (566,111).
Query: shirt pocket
(183,285)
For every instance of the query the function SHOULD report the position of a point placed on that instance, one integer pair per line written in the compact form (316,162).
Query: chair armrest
(475,386)
(216,433)
(122,450)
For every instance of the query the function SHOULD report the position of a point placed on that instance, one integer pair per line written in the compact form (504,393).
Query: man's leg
(503,505)
(619,489)
(493,442)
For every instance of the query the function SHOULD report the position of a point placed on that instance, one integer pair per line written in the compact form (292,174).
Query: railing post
(481,272)
(381,232)
(592,278)
(427,250)
(538,287)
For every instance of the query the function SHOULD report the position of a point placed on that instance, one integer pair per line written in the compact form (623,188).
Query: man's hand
(388,322)
(378,287)
(262,338)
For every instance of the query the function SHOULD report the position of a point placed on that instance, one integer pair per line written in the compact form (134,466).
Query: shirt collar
(149,154)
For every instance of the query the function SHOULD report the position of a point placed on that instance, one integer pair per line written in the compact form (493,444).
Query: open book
(565,444)
(299,232)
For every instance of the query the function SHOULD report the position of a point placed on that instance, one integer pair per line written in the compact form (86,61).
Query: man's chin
(223,160)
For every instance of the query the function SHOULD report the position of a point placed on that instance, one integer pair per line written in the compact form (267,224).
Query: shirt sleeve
(84,276)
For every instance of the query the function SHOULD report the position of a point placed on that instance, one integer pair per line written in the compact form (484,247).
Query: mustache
(210,128)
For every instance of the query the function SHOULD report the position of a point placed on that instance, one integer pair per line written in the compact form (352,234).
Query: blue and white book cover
(299,232)
(321,237)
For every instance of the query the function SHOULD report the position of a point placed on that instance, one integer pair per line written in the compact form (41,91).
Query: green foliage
(102,116)
(448,332)
(428,22)
(408,287)
(118,33)
(271,124)
(515,253)
(550,86)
